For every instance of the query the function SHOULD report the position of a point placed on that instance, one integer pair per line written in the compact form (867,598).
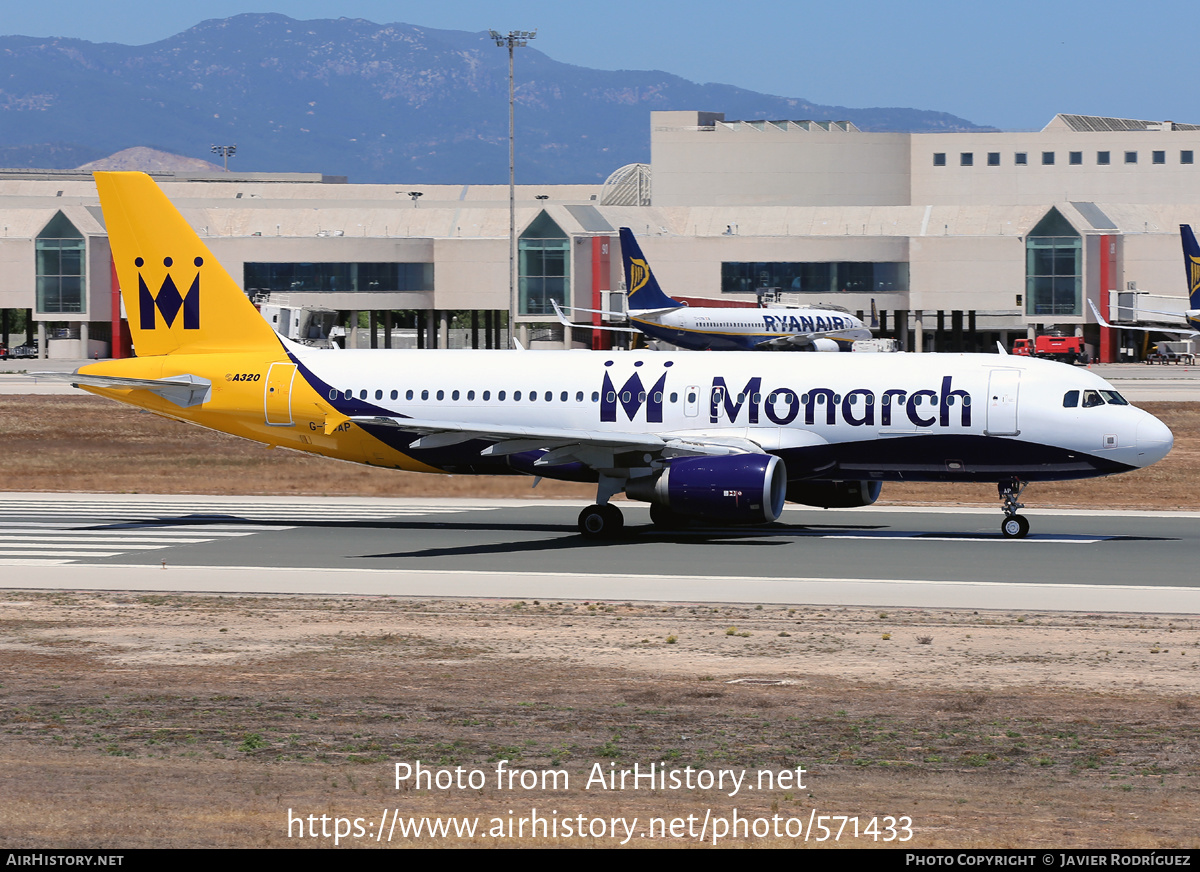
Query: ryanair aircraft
(712,438)
(658,316)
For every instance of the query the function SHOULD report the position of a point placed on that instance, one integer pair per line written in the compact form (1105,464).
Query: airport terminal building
(959,240)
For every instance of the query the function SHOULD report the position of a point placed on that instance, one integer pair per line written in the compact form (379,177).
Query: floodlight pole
(514,39)
(226,151)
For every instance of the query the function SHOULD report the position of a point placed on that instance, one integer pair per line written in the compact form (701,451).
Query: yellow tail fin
(178,298)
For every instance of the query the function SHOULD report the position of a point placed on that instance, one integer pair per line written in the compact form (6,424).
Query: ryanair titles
(750,404)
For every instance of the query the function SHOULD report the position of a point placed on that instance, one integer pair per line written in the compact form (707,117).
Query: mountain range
(383,103)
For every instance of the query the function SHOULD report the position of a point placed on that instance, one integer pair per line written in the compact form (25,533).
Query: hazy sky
(1012,65)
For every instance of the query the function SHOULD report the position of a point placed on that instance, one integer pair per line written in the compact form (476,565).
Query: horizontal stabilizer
(182,390)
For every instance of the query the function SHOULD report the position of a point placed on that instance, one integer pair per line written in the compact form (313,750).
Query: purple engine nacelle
(731,489)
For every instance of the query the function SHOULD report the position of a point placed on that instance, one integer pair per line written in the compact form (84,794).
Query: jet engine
(730,489)
(834,494)
(824,343)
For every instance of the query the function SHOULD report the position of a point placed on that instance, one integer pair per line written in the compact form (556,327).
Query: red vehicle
(1053,346)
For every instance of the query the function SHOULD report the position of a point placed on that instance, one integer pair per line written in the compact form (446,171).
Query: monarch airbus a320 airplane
(716,438)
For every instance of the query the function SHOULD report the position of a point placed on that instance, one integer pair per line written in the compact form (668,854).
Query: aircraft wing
(598,449)
(799,340)
(1182,331)
(182,390)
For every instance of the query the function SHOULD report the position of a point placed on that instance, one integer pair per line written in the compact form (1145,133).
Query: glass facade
(335,278)
(1053,268)
(814,278)
(543,267)
(61,256)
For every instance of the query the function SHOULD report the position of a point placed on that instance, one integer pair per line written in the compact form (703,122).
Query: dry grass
(90,444)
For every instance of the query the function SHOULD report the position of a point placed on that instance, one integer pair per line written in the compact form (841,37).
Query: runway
(879,556)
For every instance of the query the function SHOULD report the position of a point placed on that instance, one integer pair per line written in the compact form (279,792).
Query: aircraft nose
(1154,440)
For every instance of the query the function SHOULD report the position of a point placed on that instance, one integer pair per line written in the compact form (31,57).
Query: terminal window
(1020,158)
(1186,157)
(966,159)
(1158,157)
(939,158)
(1103,158)
(333,278)
(60,257)
(1130,157)
(993,158)
(1047,158)
(1075,158)
(812,278)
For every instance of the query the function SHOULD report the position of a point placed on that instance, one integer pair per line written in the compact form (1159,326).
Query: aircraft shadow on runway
(565,537)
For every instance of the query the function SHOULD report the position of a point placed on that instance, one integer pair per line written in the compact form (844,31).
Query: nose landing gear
(1013,526)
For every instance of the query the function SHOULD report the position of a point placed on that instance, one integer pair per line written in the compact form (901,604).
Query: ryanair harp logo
(1193,274)
(639,273)
(169,301)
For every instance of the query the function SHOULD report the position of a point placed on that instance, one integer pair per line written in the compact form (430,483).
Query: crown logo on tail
(168,302)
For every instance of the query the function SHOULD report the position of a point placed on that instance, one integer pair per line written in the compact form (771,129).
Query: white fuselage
(931,416)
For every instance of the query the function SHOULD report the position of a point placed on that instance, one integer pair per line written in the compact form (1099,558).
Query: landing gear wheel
(1016,527)
(601,522)
(665,519)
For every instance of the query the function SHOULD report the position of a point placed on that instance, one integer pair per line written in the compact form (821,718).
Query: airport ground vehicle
(712,438)
(1053,346)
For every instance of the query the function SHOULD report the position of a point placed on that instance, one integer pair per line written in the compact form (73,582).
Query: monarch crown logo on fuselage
(168,301)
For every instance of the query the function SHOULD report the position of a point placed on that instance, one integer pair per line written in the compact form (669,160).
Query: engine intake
(834,494)
(731,489)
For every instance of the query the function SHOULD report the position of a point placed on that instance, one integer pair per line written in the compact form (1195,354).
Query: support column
(431,337)
(525,335)
(83,340)
(901,316)
(475,328)
(487,328)
(371,316)
(444,329)
(956,329)
(42,348)
(974,338)
(919,330)
(352,330)
(387,329)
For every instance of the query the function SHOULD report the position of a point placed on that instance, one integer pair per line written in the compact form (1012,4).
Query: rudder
(643,290)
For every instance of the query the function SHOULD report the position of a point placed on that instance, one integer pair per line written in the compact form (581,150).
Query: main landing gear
(603,520)
(1013,526)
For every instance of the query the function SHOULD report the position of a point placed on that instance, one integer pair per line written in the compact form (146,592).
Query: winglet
(1000,348)
(1191,263)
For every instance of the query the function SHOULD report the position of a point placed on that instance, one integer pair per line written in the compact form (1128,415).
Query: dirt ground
(133,720)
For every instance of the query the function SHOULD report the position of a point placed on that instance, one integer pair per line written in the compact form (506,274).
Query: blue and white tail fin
(1191,263)
(643,290)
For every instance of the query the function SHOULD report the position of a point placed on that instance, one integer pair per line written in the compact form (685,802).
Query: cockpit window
(1070,399)
(1114,398)
(1092,398)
